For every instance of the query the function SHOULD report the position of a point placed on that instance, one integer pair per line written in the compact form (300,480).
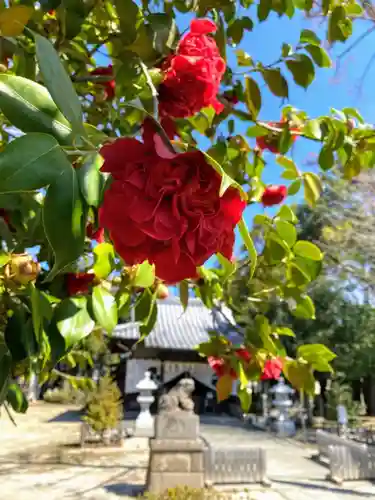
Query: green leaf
(276,82)
(312,129)
(287,232)
(249,244)
(313,187)
(307,250)
(340,26)
(31,162)
(326,158)
(29,107)
(286,50)
(184,293)
(105,308)
(296,275)
(294,187)
(5,367)
(226,180)
(288,164)
(73,321)
(284,331)
(130,17)
(263,330)
(36,311)
(243,58)
(227,267)
(304,309)
(58,82)
(308,36)
(104,256)
(4,258)
(237,27)
(245,398)
(319,55)
(14,19)
(264,9)
(221,37)
(257,131)
(300,376)
(353,113)
(262,219)
(286,213)
(146,313)
(253,97)
(143,306)
(17,399)
(302,70)
(64,221)
(165,32)
(91,181)
(145,275)
(312,353)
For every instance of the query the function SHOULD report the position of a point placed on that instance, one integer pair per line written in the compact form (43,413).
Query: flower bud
(162,292)
(22,269)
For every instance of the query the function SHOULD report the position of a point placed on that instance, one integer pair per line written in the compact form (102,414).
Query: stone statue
(179,397)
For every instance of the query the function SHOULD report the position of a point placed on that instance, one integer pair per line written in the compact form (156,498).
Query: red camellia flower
(5,216)
(220,367)
(95,234)
(110,85)
(271,140)
(272,369)
(243,354)
(273,195)
(192,76)
(165,207)
(78,282)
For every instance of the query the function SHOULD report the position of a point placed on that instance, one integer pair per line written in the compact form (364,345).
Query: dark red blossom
(272,369)
(95,234)
(192,75)
(77,283)
(110,85)
(165,207)
(231,97)
(273,195)
(220,367)
(243,354)
(4,214)
(271,140)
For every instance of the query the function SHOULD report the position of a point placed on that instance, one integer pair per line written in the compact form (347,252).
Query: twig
(154,92)
(353,45)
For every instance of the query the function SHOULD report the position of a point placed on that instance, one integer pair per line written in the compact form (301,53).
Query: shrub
(104,406)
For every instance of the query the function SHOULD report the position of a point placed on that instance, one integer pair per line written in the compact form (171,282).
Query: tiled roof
(176,329)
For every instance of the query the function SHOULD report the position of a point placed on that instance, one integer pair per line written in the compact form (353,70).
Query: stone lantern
(144,424)
(284,426)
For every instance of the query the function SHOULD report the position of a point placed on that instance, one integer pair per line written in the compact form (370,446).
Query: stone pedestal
(176,454)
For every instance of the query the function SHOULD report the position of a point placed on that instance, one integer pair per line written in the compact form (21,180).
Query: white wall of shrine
(135,370)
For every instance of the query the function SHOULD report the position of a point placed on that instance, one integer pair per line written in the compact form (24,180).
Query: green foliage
(104,406)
